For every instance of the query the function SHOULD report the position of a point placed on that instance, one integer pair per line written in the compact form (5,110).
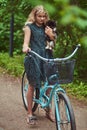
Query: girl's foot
(31,120)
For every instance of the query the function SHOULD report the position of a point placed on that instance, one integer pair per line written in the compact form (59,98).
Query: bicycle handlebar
(57,59)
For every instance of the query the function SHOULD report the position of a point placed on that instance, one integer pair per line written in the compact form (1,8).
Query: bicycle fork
(57,111)
(57,115)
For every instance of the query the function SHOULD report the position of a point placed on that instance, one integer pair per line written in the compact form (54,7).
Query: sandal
(50,115)
(31,120)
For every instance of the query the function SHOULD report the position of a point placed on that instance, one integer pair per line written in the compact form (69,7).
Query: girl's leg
(30,118)
(49,113)
(29,99)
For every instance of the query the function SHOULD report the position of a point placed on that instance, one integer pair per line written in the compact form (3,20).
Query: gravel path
(13,114)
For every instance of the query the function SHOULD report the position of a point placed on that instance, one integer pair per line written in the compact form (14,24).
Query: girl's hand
(49,32)
(26,49)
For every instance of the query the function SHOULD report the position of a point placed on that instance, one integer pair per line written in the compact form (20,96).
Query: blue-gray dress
(37,44)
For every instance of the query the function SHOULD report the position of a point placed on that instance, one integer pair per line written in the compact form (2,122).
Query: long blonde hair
(36,10)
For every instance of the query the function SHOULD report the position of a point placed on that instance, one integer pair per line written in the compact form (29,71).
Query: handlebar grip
(79,45)
(29,54)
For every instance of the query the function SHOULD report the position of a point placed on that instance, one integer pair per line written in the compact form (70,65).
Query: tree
(71,17)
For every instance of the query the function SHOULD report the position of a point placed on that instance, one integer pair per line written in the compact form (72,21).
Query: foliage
(78,90)
(13,65)
(71,17)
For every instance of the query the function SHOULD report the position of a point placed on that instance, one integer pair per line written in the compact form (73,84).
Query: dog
(51,44)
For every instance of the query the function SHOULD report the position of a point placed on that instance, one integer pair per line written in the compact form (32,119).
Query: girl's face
(40,18)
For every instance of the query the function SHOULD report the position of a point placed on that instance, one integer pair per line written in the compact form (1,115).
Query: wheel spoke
(66,115)
(25,85)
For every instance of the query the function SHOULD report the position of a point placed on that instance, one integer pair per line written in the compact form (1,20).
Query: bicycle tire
(24,90)
(67,121)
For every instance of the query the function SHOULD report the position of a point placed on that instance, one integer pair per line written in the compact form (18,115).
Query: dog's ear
(51,23)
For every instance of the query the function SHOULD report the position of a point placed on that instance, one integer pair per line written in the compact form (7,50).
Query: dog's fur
(50,44)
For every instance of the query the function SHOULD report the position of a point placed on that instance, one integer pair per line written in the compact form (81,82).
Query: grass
(15,66)
(77,90)
(12,65)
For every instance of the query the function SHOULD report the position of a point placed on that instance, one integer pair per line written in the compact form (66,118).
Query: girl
(35,39)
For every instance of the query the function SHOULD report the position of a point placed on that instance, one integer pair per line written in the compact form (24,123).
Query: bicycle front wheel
(64,114)
(24,89)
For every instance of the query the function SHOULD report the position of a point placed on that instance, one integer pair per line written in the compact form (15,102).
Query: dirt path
(12,112)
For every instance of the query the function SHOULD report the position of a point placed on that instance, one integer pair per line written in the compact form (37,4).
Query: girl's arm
(27,35)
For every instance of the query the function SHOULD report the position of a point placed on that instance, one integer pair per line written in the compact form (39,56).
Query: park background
(71,18)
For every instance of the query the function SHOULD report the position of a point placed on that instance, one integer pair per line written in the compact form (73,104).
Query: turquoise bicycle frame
(54,88)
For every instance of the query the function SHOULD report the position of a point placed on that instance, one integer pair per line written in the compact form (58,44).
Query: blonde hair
(36,10)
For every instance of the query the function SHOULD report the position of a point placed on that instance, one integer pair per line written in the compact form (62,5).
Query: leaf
(83,40)
(62,1)
(82,23)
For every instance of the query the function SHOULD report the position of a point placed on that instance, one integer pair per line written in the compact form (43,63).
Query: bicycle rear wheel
(24,89)
(64,114)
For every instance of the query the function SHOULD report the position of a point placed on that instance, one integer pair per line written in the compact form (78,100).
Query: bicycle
(64,114)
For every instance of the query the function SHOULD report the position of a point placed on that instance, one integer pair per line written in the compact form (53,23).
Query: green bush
(71,25)
(12,65)
(77,89)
